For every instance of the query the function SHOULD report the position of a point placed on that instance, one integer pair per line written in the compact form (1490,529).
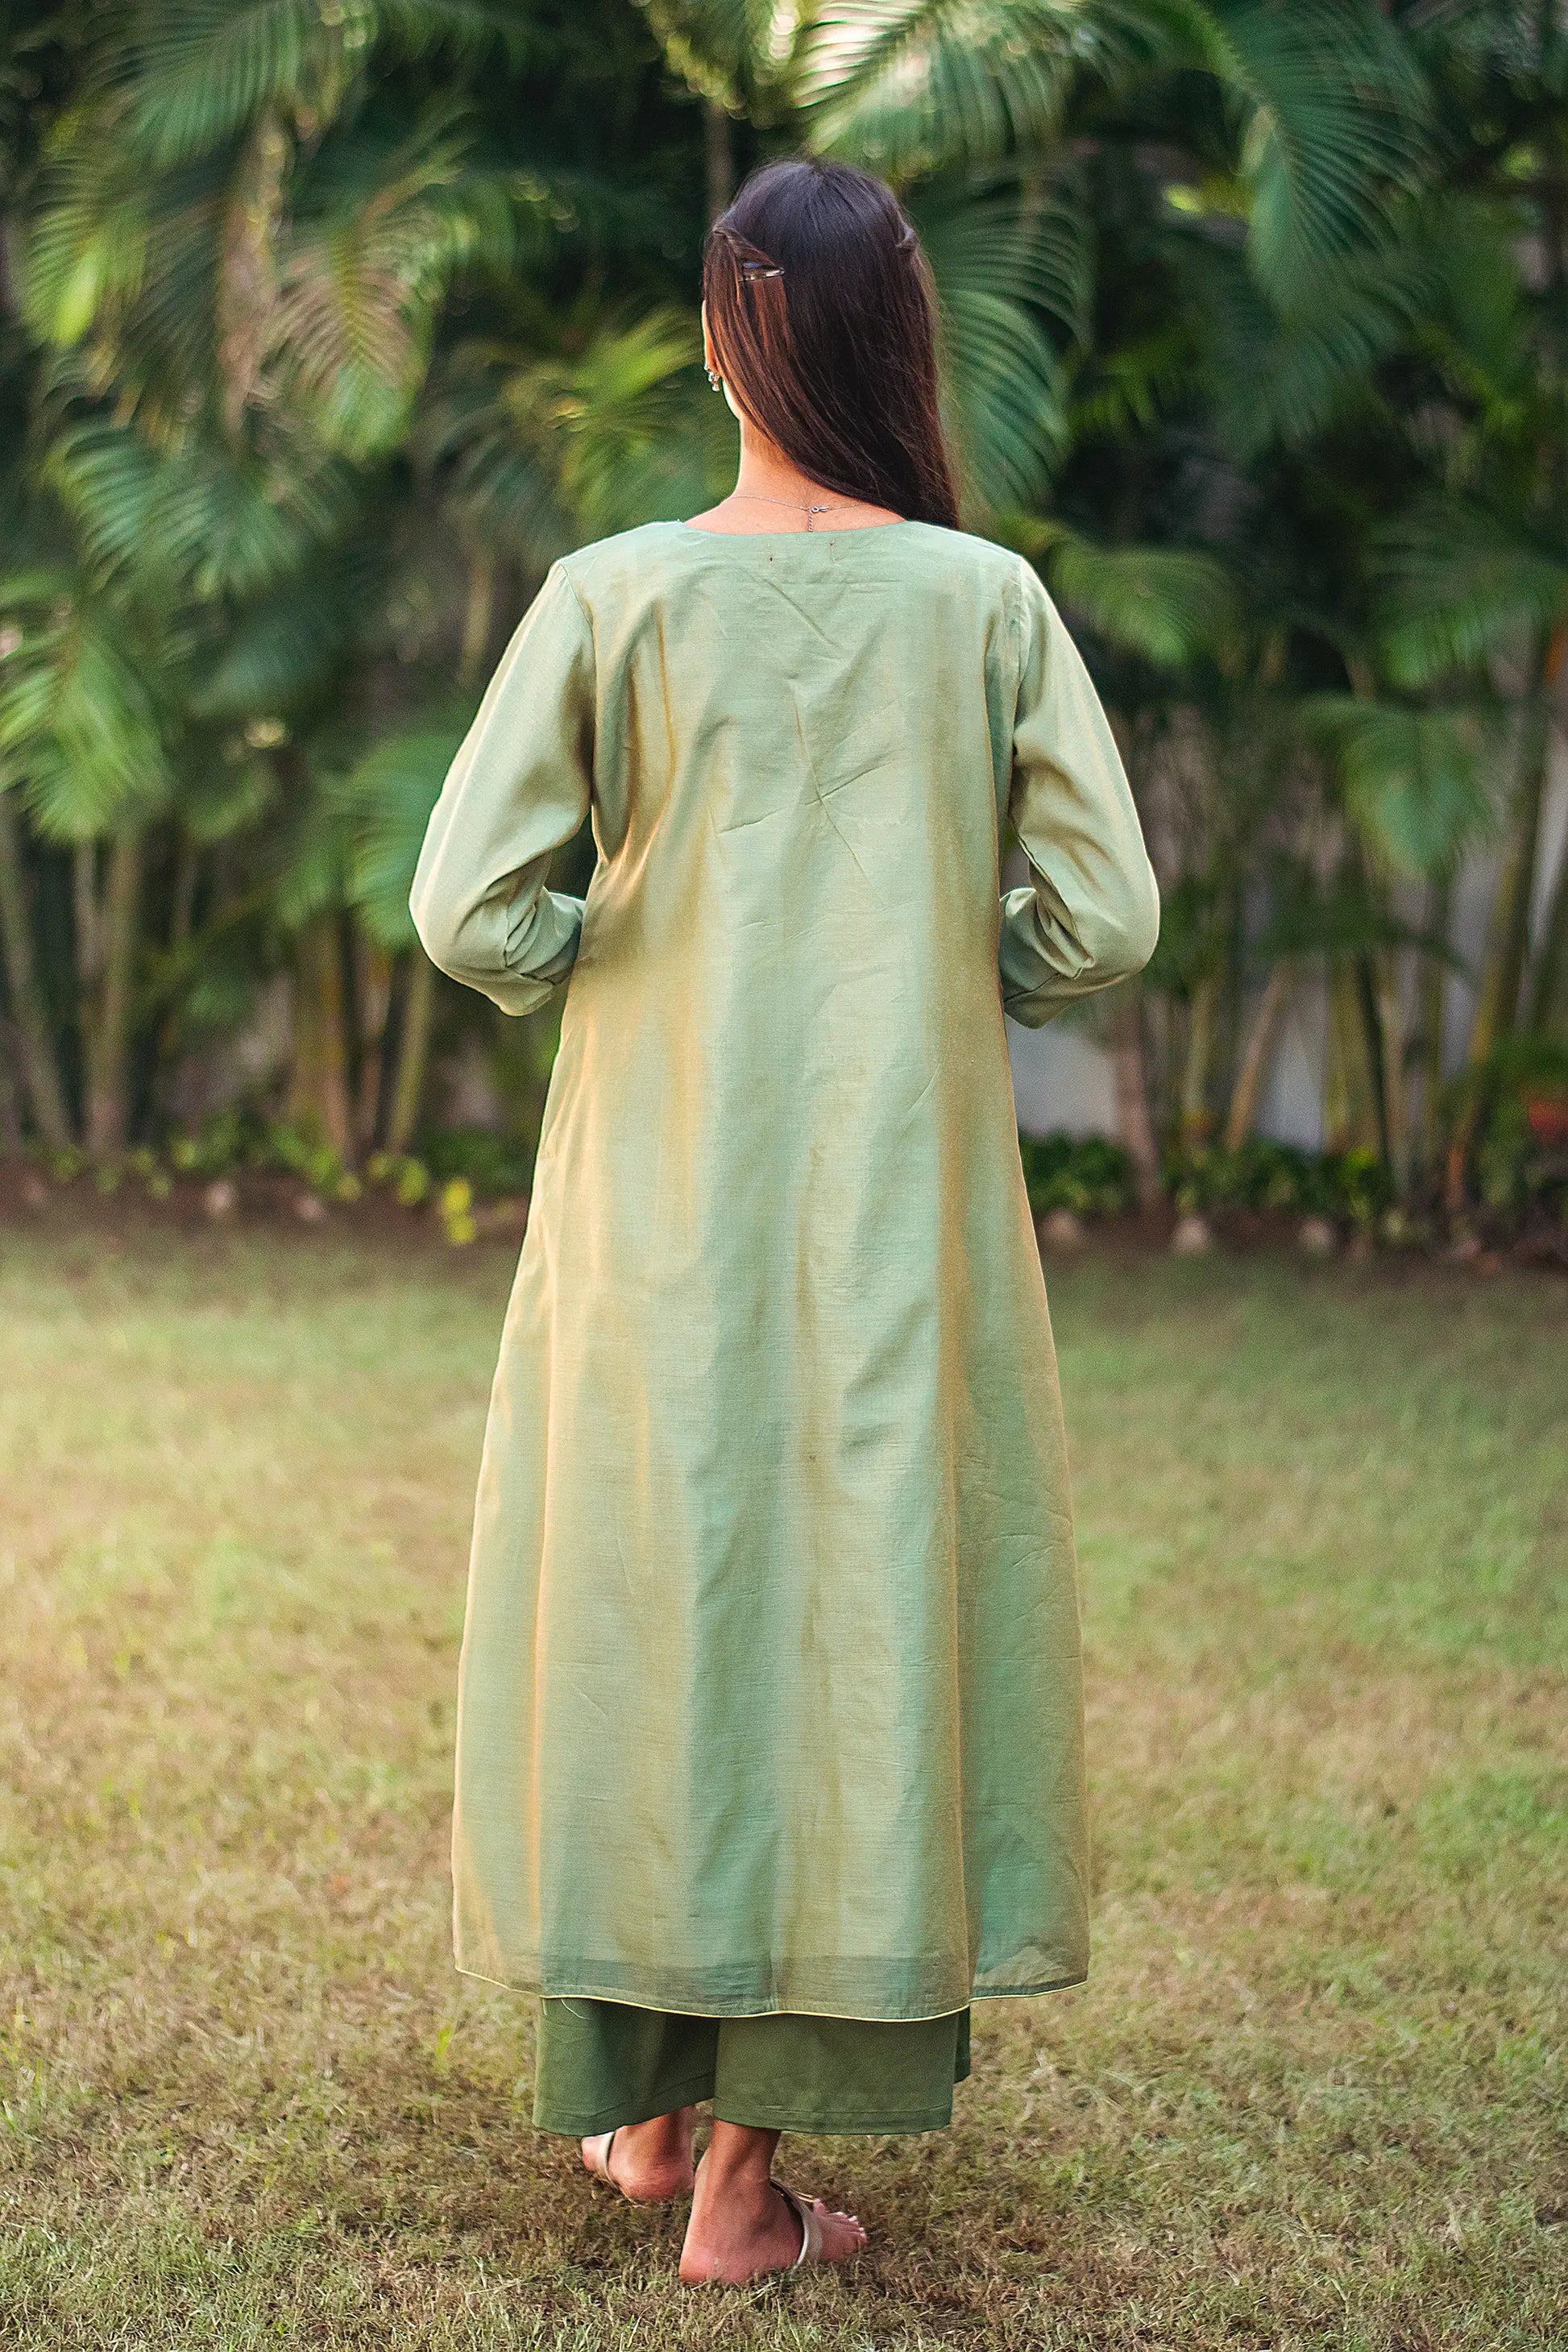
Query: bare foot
(742,2227)
(650,2163)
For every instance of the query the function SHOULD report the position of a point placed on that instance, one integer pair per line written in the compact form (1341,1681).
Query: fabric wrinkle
(771,1698)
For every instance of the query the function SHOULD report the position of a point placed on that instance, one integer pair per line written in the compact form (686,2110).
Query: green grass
(1312,2095)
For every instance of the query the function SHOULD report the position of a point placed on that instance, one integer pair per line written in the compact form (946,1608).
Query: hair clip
(761,270)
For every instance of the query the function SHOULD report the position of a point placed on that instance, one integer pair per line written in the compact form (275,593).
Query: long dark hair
(820,309)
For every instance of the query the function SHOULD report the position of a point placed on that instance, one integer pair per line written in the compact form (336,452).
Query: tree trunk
(479,618)
(1509,948)
(182,919)
(1349,1110)
(245,296)
(318,1091)
(1507,943)
(107,1078)
(1391,1017)
(1134,1126)
(1433,993)
(28,1010)
(187,873)
(1258,1054)
(1375,1044)
(1549,993)
(412,1052)
(1199,1056)
(719,156)
(10,1093)
(372,1001)
(89,942)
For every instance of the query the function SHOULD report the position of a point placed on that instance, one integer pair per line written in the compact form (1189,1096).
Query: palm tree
(335,325)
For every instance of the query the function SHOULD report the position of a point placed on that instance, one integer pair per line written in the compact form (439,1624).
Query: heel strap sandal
(810,2221)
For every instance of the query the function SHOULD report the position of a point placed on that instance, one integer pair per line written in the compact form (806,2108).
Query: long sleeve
(1089,913)
(518,789)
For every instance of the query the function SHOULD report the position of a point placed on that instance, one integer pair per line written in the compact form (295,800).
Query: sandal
(810,2219)
(597,2156)
(811,2214)
(596,2159)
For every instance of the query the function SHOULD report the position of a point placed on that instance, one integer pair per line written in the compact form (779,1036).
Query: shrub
(1086,1173)
(490,1163)
(1521,1145)
(1265,1175)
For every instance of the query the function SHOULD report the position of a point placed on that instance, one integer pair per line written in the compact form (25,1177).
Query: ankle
(745,2188)
(658,2131)
(738,2165)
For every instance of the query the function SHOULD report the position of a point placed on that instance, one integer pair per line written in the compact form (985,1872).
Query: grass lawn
(1312,2095)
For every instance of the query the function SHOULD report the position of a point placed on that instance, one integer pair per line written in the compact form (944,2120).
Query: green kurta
(769,1694)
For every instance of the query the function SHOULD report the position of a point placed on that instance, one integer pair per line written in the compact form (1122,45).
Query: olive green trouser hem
(602,2064)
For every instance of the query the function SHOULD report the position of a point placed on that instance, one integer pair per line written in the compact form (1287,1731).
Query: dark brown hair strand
(824,324)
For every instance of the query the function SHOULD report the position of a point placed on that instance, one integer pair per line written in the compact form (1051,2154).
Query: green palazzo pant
(602,2064)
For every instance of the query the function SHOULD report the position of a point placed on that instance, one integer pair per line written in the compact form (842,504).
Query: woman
(770,1725)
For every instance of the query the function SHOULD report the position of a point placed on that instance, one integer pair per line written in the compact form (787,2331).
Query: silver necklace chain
(795,506)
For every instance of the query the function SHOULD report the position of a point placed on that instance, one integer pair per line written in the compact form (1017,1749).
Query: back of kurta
(770,1691)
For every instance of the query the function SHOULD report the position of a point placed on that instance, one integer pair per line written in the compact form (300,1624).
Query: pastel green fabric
(769,1695)
(601,2064)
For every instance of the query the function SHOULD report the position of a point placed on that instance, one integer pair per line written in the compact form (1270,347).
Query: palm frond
(1413,778)
(226,786)
(193,75)
(119,273)
(88,234)
(638,433)
(387,798)
(737,52)
(1459,583)
(287,646)
(306,867)
(502,488)
(381,230)
(1170,605)
(196,520)
(1024,242)
(1333,111)
(908,87)
(1276,381)
(1002,262)
(546,452)
(1006,385)
(81,718)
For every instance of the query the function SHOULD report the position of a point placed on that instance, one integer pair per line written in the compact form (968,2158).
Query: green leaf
(1335,114)
(1414,780)
(550,451)
(909,87)
(81,721)
(388,797)
(1459,582)
(198,73)
(740,52)
(1002,261)
(288,645)
(1169,603)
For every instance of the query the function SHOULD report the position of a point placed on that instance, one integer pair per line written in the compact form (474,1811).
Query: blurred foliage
(1087,1174)
(1282,1179)
(328,324)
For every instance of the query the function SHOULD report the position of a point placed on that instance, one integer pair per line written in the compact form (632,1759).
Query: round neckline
(865,530)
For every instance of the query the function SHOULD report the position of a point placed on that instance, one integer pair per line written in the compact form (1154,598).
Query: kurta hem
(875,2124)
(582,2122)
(598,1988)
